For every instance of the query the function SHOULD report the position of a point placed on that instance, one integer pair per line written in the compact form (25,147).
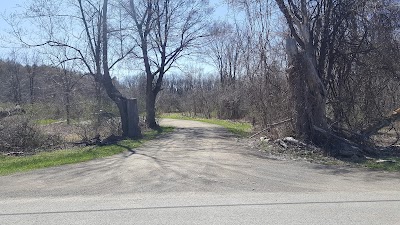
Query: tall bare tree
(326,42)
(306,82)
(164,30)
(66,79)
(14,71)
(83,27)
(32,70)
(226,50)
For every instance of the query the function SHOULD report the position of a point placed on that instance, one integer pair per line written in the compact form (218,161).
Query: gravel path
(196,158)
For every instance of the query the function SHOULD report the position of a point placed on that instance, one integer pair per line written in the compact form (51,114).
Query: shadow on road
(199,158)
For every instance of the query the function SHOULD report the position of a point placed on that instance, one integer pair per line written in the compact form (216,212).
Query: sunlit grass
(45,121)
(392,164)
(241,129)
(12,164)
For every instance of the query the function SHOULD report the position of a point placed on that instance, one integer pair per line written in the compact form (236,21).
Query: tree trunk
(310,117)
(151,110)
(308,94)
(16,85)
(130,127)
(31,89)
(68,107)
(98,97)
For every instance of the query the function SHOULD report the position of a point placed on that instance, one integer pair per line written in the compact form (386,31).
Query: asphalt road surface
(199,174)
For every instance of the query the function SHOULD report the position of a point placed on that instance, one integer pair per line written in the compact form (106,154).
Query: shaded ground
(197,157)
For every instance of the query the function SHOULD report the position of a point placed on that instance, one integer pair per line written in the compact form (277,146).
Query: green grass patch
(12,164)
(45,121)
(241,129)
(390,164)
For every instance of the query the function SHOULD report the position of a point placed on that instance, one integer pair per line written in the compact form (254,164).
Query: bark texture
(307,92)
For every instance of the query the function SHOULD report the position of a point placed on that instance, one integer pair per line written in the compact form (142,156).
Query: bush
(18,133)
(102,124)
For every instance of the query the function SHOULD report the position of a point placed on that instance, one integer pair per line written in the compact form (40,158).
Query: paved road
(200,174)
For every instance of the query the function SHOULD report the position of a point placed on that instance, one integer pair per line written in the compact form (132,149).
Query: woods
(329,67)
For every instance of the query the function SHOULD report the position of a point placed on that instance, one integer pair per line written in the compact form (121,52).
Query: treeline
(49,92)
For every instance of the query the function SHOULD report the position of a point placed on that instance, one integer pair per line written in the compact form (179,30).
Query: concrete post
(133,119)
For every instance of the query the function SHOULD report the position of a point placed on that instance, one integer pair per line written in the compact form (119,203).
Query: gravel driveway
(196,157)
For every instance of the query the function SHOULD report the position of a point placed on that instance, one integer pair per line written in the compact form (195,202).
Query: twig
(271,125)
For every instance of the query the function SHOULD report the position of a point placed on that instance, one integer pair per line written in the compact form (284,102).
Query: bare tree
(249,53)
(327,42)
(14,71)
(85,30)
(226,51)
(32,70)
(306,83)
(66,79)
(164,31)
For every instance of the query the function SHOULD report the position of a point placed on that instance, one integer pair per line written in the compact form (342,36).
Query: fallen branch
(341,146)
(269,126)
(293,141)
(386,121)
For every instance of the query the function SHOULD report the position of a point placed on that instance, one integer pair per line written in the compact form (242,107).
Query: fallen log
(386,121)
(269,126)
(341,146)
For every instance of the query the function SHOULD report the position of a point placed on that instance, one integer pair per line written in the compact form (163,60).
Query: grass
(12,164)
(241,129)
(392,164)
(45,121)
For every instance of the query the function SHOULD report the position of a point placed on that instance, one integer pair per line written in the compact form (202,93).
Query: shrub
(19,133)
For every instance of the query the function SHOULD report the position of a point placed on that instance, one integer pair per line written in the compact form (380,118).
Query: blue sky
(7,6)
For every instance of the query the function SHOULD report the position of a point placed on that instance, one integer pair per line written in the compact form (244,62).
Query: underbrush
(19,133)
(281,150)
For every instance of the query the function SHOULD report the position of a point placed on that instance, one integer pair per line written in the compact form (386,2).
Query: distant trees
(226,51)
(47,96)
(15,73)
(31,68)
(66,79)
(246,54)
